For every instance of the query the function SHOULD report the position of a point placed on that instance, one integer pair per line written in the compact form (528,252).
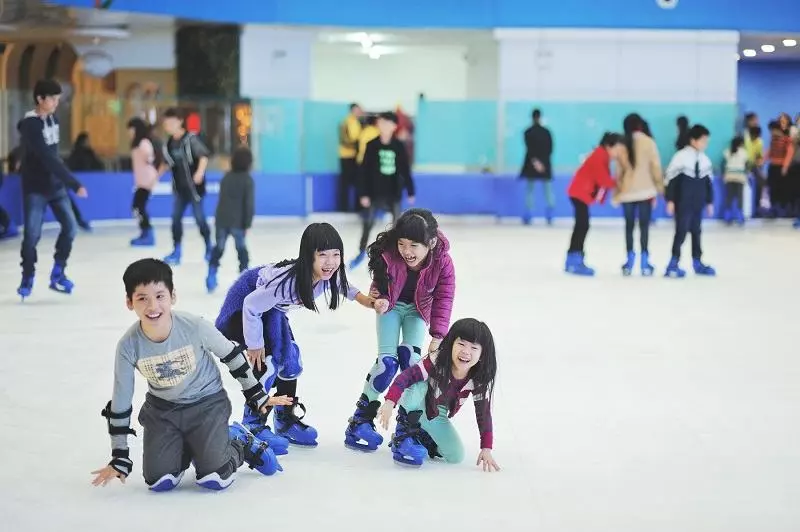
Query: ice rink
(622,404)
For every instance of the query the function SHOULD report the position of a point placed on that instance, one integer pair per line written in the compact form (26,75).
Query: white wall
(483,69)
(144,49)
(339,74)
(618,65)
(275,62)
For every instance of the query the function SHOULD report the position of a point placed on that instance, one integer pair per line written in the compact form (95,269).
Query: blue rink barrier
(111,195)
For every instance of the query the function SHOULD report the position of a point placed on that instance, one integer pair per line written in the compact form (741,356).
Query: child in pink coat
(145,176)
(413,284)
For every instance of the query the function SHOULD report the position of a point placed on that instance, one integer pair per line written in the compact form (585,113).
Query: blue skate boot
(25,287)
(257,454)
(645,266)
(575,265)
(796,224)
(59,281)
(356,262)
(209,250)
(703,269)
(627,268)
(289,425)
(211,279)
(360,434)
(407,449)
(527,217)
(146,239)
(739,217)
(548,215)
(174,258)
(256,424)
(673,270)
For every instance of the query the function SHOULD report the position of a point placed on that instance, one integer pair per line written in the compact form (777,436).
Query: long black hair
(683,132)
(482,374)
(298,278)
(417,225)
(141,131)
(736,143)
(632,123)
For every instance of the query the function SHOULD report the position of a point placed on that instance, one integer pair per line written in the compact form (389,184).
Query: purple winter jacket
(436,285)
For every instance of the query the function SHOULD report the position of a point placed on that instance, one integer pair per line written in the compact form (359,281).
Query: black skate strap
(117,430)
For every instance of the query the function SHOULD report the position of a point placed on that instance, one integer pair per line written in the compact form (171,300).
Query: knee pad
(270,372)
(382,374)
(167,482)
(408,355)
(293,365)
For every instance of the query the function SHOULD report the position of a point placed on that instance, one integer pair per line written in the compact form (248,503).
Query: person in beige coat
(640,181)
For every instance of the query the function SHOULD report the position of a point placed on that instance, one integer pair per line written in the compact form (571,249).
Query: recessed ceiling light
(749,52)
(767,48)
(789,42)
(374,53)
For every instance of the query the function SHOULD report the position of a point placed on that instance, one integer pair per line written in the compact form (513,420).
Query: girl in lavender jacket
(413,284)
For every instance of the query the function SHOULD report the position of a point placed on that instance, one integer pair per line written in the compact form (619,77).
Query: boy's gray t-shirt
(180,369)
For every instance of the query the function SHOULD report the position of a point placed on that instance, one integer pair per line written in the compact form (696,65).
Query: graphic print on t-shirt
(168,370)
(388,162)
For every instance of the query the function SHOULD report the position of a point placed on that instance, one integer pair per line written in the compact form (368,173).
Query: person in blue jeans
(235,211)
(45,179)
(187,157)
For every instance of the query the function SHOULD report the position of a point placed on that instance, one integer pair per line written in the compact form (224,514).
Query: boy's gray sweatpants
(176,435)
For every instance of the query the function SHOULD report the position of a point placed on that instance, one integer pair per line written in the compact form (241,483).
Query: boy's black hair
(174,112)
(371,120)
(537,114)
(773,125)
(354,105)
(749,116)
(44,88)
(698,131)
(610,139)
(147,271)
(242,159)
(389,116)
(755,132)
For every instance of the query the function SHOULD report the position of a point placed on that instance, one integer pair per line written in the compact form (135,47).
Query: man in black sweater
(45,179)
(537,166)
(383,175)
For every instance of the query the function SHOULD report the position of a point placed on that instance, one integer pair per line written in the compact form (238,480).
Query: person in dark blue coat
(689,193)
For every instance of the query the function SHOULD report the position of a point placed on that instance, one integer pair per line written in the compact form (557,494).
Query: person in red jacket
(589,185)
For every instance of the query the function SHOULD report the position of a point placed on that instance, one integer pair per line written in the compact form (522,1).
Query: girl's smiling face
(413,253)
(465,355)
(326,263)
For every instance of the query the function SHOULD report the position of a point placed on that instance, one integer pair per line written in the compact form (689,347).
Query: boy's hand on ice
(106,475)
(486,458)
(710,210)
(278,400)
(385,414)
(381,305)
(256,357)
(670,208)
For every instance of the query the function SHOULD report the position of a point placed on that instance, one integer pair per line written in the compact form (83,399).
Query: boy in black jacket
(235,212)
(45,179)
(187,157)
(383,175)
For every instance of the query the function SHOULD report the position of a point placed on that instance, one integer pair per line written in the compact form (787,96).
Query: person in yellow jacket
(349,132)
(369,133)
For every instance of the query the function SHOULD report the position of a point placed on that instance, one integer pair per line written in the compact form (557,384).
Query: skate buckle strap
(255,397)
(254,459)
(109,415)
(288,413)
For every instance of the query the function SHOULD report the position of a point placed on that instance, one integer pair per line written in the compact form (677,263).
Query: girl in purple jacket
(413,284)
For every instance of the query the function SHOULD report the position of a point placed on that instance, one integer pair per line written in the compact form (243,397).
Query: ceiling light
(749,52)
(767,48)
(374,53)
(789,42)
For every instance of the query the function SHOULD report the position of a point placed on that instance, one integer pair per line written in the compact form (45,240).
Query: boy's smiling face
(152,304)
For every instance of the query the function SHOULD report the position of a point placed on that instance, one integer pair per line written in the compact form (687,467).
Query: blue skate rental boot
(174,258)
(209,250)
(627,268)
(170,481)
(673,270)
(146,239)
(211,279)
(59,281)
(356,262)
(796,224)
(256,424)
(527,217)
(289,425)
(25,287)
(703,269)
(645,266)
(257,454)
(548,215)
(575,265)
(360,434)
(406,444)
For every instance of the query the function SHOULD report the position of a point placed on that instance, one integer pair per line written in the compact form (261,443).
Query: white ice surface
(622,405)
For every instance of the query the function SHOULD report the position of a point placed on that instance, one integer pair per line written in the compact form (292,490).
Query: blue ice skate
(146,239)
(645,266)
(527,217)
(703,269)
(356,262)
(209,250)
(360,434)
(673,270)
(256,424)
(548,215)
(289,425)
(576,266)
(167,483)
(406,444)
(174,258)
(25,287)
(627,268)
(796,224)
(59,281)
(211,279)
(257,454)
